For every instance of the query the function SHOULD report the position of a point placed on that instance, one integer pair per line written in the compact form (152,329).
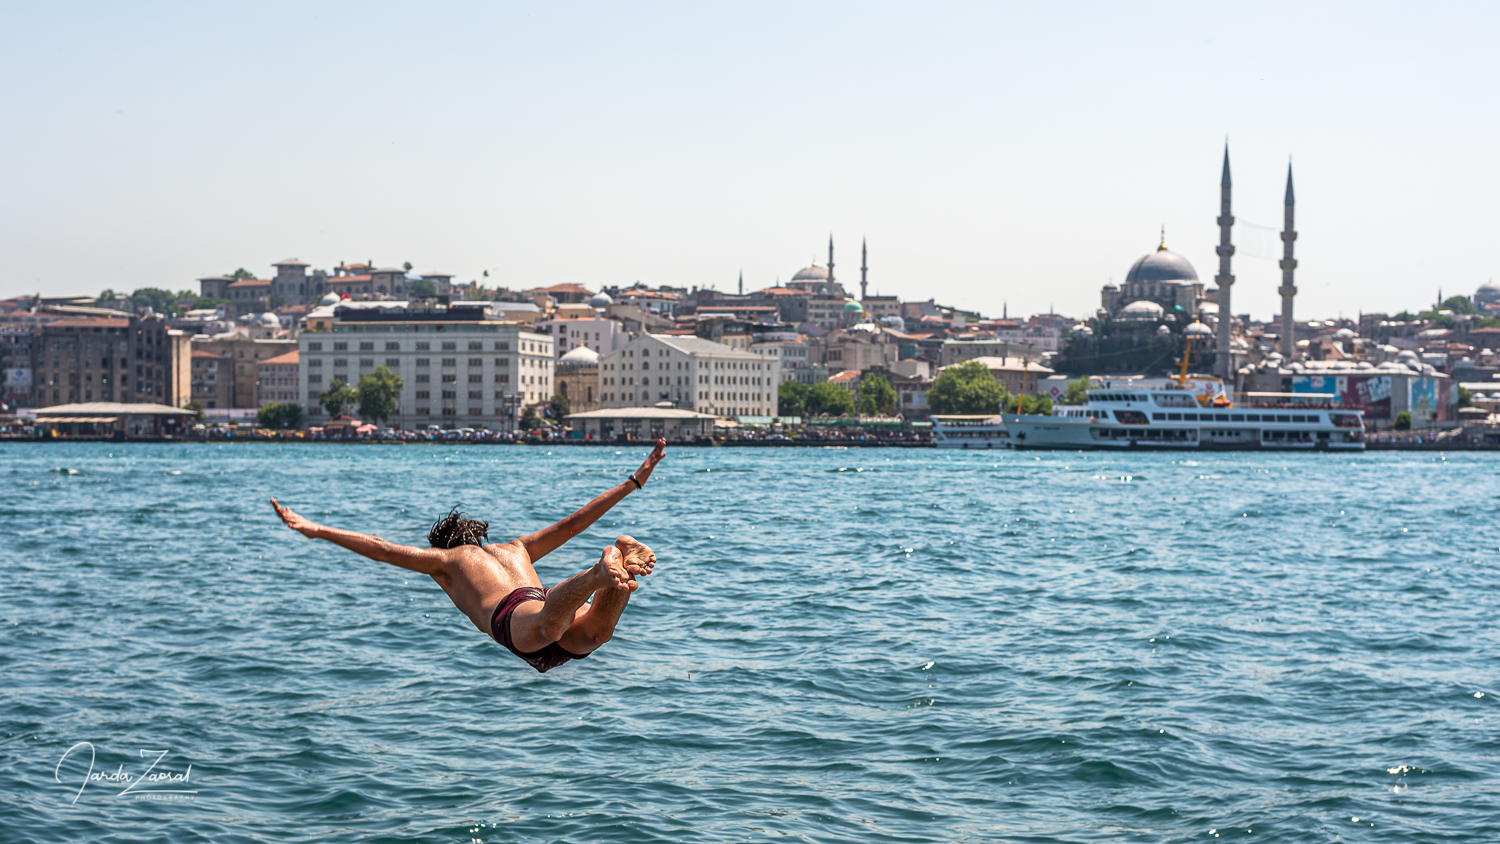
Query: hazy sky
(990,153)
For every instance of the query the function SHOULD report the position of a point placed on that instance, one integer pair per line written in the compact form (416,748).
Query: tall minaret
(742,282)
(864,269)
(830,261)
(1224,361)
(1288,266)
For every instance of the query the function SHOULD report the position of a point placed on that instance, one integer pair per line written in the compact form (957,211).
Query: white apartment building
(462,366)
(601,334)
(692,373)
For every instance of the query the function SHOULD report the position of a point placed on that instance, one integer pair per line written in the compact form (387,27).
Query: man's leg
(536,624)
(595,624)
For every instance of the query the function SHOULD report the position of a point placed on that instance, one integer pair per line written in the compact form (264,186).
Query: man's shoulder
(506,551)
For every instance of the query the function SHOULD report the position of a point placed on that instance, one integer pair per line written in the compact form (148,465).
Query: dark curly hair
(455,529)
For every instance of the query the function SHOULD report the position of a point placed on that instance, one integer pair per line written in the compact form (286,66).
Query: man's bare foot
(639,560)
(610,572)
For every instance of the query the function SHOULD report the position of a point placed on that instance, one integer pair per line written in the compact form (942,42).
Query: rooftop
(288,359)
(112,408)
(641,413)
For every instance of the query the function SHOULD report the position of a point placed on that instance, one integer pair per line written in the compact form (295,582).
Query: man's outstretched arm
(424,560)
(550,538)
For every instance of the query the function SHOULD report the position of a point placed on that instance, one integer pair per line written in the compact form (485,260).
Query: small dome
(582,354)
(1142,309)
(601,300)
(1198,329)
(1162,329)
(812,273)
(1210,308)
(853,307)
(330,299)
(1489,287)
(269,320)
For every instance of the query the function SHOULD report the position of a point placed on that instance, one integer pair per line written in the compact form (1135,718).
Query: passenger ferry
(982,432)
(1192,412)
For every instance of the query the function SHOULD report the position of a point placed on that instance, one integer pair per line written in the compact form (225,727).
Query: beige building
(1010,371)
(461,365)
(240,359)
(276,380)
(690,373)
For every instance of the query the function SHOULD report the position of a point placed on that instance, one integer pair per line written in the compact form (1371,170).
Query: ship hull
(1051,432)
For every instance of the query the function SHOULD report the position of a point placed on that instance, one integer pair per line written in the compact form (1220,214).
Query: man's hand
(294,521)
(642,474)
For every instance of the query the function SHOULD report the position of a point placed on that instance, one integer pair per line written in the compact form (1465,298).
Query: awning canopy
(60,419)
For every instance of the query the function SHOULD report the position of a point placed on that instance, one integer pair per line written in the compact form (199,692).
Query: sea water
(836,645)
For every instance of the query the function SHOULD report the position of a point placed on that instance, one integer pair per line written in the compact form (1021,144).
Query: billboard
(1370,393)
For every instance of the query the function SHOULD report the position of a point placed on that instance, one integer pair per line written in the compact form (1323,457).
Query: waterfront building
(790,350)
(691,373)
(958,351)
(463,365)
(121,359)
(1015,373)
(643,423)
(276,380)
(121,419)
(15,366)
(212,379)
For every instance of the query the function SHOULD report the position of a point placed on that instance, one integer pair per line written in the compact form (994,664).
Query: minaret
(864,268)
(742,282)
(1224,362)
(1288,266)
(830,263)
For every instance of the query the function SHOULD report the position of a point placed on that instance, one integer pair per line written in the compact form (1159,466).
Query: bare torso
(478,579)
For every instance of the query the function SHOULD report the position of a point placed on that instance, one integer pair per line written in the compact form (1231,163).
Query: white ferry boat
(1175,417)
(982,432)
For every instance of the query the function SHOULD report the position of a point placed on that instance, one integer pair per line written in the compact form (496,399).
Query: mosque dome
(812,273)
(1162,265)
(582,354)
(601,300)
(330,299)
(1488,293)
(853,307)
(269,320)
(1198,329)
(1345,334)
(1143,310)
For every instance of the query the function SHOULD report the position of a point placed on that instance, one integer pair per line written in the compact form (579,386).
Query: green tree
(422,289)
(1458,305)
(1033,405)
(379,394)
(967,387)
(1403,421)
(207,302)
(529,419)
(827,399)
(338,397)
(277,415)
(240,274)
(1465,398)
(791,399)
(558,406)
(196,408)
(107,293)
(1078,392)
(877,396)
(159,300)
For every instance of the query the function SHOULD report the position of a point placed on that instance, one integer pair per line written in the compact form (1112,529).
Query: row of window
(1226,417)
(395,363)
(426,346)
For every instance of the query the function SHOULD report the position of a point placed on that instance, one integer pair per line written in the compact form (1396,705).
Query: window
(424,361)
(337,347)
(423,394)
(476,346)
(393,363)
(314,379)
(476,361)
(450,345)
(502,346)
(423,346)
(392,346)
(312,362)
(423,411)
(315,347)
(450,361)
(449,379)
(499,395)
(338,362)
(369,362)
(423,378)
(367,346)
(476,379)
(474,394)
(448,394)
(503,378)
(502,361)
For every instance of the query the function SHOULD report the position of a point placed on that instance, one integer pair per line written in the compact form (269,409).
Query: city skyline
(992,158)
